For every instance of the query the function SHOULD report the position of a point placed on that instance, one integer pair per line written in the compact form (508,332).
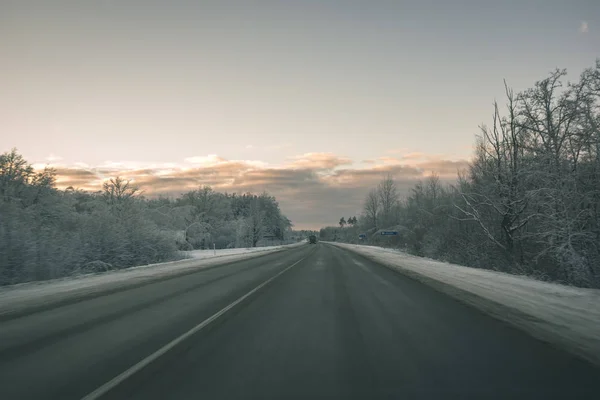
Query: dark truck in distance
(312,239)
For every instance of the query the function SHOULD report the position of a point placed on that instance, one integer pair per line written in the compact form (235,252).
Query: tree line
(47,233)
(529,201)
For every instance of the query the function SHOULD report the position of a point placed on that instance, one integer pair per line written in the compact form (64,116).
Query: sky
(313,101)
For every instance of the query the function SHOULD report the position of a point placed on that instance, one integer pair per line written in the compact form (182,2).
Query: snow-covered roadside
(565,316)
(203,254)
(28,297)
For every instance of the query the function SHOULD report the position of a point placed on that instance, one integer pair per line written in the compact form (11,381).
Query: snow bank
(203,254)
(565,316)
(29,297)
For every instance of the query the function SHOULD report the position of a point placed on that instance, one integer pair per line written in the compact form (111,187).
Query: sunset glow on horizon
(311,101)
(305,186)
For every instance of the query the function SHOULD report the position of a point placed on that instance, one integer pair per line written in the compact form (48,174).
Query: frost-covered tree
(371,209)
(388,198)
(47,233)
(529,202)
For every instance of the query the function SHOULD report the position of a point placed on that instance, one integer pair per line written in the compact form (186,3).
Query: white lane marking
(102,390)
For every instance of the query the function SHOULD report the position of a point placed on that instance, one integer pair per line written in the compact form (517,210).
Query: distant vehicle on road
(312,239)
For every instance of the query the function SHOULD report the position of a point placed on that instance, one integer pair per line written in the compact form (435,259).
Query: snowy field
(565,316)
(27,297)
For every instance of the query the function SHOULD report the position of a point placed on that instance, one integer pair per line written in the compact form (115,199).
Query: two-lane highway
(331,324)
(67,352)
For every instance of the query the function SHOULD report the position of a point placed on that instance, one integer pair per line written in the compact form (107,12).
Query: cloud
(583,27)
(77,178)
(313,189)
(319,161)
(211,159)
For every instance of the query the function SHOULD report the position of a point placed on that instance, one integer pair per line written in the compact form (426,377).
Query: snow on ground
(28,297)
(565,316)
(203,254)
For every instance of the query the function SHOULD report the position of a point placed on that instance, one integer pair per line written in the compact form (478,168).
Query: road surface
(330,325)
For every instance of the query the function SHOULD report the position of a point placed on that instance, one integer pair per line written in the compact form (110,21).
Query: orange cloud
(319,161)
(211,159)
(77,178)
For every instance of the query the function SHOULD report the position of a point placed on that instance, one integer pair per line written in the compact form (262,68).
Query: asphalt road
(335,325)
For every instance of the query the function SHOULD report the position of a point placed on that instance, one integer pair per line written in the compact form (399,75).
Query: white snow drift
(565,316)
